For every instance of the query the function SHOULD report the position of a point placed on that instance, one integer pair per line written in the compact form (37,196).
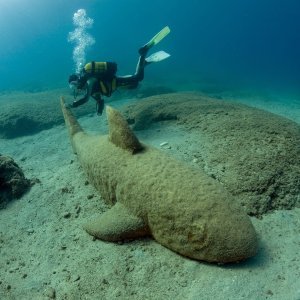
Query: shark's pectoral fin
(117,224)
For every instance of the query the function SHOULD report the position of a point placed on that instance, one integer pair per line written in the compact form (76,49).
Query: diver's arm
(89,87)
(81,101)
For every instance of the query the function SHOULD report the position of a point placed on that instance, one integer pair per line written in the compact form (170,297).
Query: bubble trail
(80,37)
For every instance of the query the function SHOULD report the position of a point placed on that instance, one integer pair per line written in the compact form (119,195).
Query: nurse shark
(151,193)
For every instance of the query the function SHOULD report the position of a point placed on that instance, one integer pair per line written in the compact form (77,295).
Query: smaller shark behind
(153,194)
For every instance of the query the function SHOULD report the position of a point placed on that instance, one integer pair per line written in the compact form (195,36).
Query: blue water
(255,43)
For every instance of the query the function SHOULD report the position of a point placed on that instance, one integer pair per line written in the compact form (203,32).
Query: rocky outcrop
(13,183)
(253,153)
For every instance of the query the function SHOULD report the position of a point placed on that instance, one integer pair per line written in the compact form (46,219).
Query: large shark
(153,194)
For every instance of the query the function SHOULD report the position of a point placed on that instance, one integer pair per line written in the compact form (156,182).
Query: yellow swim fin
(158,37)
(155,40)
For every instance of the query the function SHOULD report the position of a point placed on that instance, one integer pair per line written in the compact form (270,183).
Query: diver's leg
(132,81)
(142,63)
(128,82)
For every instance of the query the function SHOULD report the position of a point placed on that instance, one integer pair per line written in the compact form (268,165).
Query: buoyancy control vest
(105,72)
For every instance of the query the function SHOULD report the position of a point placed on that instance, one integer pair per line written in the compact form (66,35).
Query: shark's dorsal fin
(120,133)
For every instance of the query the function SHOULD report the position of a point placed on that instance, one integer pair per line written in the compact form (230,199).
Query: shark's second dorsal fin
(120,133)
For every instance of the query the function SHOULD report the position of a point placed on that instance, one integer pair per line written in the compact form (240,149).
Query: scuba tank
(101,70)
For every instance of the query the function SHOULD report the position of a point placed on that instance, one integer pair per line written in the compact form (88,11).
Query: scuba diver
(99,79)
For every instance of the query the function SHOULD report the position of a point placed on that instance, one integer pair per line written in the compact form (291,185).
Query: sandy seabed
(45,253)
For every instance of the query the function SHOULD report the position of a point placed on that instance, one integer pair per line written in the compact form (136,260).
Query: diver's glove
(71,105)
(74,104)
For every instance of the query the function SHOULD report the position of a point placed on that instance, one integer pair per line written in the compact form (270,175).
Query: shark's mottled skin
(154,194)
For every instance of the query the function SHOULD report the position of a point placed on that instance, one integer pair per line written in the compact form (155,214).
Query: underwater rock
(147,91)
(143,91)
(153,194)
(28,113)
(253,153)
(13,183)
(25,113)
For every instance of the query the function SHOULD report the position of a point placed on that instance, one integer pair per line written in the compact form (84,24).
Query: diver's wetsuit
(106,86)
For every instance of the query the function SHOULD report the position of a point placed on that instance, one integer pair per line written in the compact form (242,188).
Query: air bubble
(81,38)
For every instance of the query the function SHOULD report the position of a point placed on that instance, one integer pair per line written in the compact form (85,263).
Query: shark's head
(217,237)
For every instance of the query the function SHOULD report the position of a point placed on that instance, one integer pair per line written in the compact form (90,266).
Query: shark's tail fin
(71,122)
